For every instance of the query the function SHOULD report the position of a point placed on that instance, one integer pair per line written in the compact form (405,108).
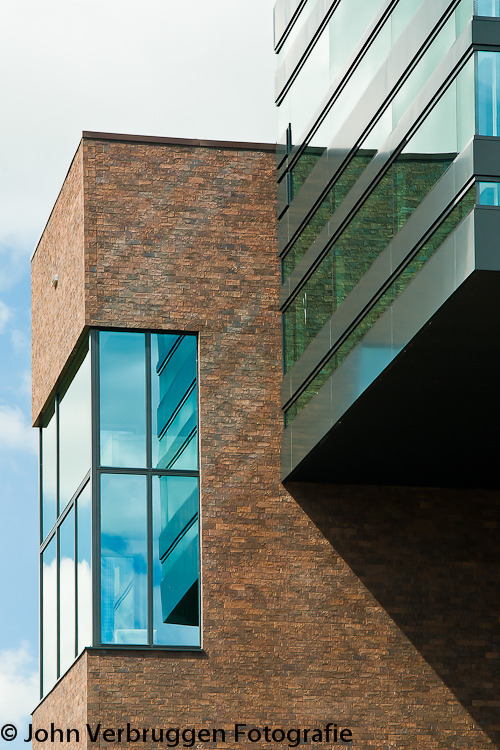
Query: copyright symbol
(8,732)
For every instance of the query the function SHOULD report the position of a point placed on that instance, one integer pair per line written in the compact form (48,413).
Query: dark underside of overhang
(432,418)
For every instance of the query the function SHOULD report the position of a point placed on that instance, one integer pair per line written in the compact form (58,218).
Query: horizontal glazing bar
(64,512)
(153,472)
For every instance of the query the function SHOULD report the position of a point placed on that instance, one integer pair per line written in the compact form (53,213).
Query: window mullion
(96,494)
(149,482)
(75,512)
(149,439)
(58,603)
(149,490)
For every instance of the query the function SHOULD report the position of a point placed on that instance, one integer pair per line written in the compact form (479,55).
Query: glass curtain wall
(120,534)
(422,161)
(461,210)
(325,61)
(65,509)
(412,175)
(387,120)
(346,28)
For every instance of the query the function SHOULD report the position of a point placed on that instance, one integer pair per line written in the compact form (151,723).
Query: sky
(187,69)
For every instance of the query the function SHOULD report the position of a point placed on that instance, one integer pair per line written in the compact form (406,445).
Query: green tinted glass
(461,210)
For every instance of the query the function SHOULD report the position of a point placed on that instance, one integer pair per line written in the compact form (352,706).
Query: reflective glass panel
(84,568)
(67,592)
(175,561)
(174,401)
(283,12)
(49,616)
(385,211)
(122,379)
(295,31)
(375,139)
(330,54)
(49,476)
(488,93)
(342,105)
(123,559)
(461,210)
(74,433)
(487,8)
(348,24)
(489,193)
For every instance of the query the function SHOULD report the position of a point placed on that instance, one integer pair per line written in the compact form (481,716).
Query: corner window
(120,534)
(65,522)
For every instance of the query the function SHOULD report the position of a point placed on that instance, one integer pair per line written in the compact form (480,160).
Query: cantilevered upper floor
(388,177)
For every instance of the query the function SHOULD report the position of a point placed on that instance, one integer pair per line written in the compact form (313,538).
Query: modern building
(389,165)
(184,587)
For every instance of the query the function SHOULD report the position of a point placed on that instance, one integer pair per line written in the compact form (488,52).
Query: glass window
(74,433)
(174,401)
(175,561)
(342,103)
(148,595)
(67,603)
(49,475)
(489,193)
(487,8)
(49,615)
(123,559)
(488,93)
(122,382)
(84,569)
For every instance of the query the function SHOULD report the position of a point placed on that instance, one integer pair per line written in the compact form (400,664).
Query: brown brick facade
(58,311)
(65,708)
(319,604)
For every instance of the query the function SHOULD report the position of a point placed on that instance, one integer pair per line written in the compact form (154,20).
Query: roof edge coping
(193,142)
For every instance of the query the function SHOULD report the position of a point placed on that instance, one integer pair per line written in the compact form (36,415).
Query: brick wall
(65,709)
(58,312)
(294,633)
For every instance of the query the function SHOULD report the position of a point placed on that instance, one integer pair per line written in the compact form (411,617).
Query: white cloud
(14,250)
(179,76)
(5,315)
(15,431)
(24,385)
(20,341)
(19,685)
